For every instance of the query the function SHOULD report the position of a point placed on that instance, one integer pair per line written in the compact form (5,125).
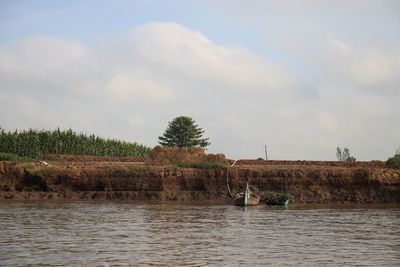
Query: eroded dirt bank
(309,182)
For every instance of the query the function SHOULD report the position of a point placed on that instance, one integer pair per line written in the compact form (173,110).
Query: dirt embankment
(158,178)
(311,183)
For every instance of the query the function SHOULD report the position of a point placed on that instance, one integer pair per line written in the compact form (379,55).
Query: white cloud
(192,56)
(127,86)
(130,87)
(45,58)
(366,67)
(136,121)
(339,46)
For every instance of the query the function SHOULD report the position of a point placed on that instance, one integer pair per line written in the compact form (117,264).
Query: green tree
(183,132)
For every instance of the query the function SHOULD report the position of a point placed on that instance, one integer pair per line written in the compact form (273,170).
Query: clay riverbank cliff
(178,174)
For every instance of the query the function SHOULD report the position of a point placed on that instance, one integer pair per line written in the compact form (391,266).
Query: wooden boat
(246,198)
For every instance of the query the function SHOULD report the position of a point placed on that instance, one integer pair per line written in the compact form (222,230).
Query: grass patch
(41,171)
(202,165)
(12,157)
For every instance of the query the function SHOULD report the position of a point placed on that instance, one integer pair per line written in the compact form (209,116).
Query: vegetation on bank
(202,165)
(394,162)
(39,143)
(278,198)
(41,171)
(344,155)
(12,157)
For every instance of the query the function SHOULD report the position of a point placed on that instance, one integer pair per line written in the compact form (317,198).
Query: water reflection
(106,234)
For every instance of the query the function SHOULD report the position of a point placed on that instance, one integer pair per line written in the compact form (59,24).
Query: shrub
(394,162)
(278,198)
(344,155)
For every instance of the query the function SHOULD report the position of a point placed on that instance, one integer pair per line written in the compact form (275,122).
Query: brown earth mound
(171,155)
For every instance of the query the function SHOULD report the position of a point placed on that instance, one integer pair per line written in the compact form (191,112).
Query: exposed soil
(137,181)
(308,181)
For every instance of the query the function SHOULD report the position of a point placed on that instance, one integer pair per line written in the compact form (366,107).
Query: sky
(302,77)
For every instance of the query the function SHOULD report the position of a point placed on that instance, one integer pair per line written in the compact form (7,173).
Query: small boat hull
(240,200)
(246,198)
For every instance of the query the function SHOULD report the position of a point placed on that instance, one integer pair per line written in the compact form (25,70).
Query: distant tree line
(38,143)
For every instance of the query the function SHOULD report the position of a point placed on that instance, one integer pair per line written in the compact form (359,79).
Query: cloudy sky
(302,77)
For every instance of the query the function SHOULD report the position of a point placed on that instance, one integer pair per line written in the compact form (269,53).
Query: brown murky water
(132,234)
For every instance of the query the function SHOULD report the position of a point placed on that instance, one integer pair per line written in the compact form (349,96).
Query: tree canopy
(183,132)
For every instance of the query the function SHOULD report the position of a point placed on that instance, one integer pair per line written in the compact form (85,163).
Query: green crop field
(39,143)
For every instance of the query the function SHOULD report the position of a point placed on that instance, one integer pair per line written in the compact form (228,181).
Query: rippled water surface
(131,234)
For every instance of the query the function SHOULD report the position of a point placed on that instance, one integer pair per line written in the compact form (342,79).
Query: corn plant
(38,143)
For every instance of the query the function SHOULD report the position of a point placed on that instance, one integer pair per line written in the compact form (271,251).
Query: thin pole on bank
(266,155)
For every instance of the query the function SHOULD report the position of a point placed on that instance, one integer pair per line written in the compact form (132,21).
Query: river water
(134,234)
